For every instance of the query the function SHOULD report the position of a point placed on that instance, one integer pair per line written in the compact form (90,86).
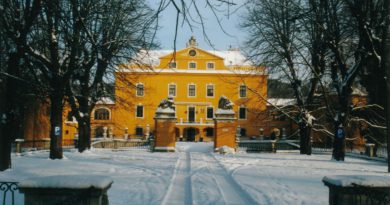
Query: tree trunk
(84,129)
(339,143)
(5,144)
(386,63)
(56,111)
(302,136)
(305,138)
(10,107)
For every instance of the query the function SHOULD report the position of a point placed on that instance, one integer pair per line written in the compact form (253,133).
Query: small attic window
(210,65)
(172,64)
(192,53)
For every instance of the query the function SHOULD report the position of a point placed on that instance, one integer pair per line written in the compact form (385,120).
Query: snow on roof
(232,57)
(67,181)
(281,101)
(105,101)
(357,180)
(359,92)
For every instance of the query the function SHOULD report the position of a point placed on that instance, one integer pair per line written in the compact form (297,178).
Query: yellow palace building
(195,79)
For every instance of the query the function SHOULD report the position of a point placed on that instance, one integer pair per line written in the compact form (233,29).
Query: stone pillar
(284,133)
(147,132)
(19,145)
(105,132)
(165,122)
(181,133)
(261,133)
(126,133)
(72,189)
(110,133)
(225,124)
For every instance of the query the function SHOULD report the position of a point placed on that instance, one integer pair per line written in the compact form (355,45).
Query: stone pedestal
(225,124)
(358,189)
(72,189)
(165,122)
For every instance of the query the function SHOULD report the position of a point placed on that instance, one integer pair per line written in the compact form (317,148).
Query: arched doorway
(99,131)
(190,133)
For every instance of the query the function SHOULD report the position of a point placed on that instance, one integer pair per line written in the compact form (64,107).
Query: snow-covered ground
(196,175)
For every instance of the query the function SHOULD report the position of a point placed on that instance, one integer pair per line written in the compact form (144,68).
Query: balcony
(200,122)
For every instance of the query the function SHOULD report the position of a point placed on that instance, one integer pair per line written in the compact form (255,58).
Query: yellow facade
(200,78)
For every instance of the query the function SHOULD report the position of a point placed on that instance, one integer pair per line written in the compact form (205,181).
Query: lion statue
(225,104)
(167,103)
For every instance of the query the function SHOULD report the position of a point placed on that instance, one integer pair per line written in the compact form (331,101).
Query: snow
(226,150)
(224,111)
(105,101)
(194,174)
(358,180)
(281,101)
(165,110)
(68,181)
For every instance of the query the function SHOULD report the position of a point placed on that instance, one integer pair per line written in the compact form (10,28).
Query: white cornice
(184,71)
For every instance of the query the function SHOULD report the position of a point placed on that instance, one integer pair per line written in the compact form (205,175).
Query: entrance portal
(191,132)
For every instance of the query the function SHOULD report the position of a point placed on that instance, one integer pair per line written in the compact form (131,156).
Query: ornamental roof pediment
(191,53)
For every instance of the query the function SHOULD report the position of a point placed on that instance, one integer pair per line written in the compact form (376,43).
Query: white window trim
(136,90)
(246,113)
(213,90)
(143,111)
(212,62)
(213,112)
(175,89)
(196,65)
(188,113)
(239,91)
(188,90)
(97,108)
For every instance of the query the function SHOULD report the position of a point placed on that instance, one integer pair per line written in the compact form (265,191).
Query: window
(139,131)
(242,113)
(140,89)
(210,66)
(192,65)
(209,132)
(102,114)
(210,113)
(192,53)
(140,111)
(172,90)
(242,91)
(172,65)
(191,90)
(243,132)
(210,90)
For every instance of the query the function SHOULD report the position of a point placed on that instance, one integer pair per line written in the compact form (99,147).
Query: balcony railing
(201,121)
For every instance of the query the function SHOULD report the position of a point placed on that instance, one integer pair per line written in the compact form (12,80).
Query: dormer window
(210,66)
(139,90)
(172,65)
(192,65)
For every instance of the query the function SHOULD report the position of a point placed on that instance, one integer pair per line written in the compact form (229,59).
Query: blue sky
(220,40)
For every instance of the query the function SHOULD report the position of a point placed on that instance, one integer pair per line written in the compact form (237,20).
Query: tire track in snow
(230,190)
(180,188)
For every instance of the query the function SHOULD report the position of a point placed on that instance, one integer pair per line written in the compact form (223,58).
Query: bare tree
(108,33)
(17,19)
(277,41)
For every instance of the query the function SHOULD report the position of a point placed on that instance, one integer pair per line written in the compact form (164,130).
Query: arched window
(102,114)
